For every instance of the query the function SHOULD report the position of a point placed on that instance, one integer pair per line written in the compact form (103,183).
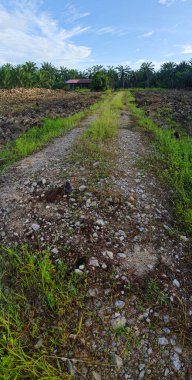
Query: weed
(37,314)
(35,138)
(175,156)
(155,294)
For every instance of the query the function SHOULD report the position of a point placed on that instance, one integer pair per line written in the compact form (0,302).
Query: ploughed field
(21,109)
(168,108)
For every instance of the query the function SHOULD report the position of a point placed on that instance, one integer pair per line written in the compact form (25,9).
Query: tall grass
(176,157)
(37,137)
(38,312)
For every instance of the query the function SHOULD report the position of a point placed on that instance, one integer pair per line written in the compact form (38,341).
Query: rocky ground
(168,108)
(120,232)
(21,109)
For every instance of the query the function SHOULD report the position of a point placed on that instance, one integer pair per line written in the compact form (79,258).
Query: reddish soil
(21,109)
(168,108)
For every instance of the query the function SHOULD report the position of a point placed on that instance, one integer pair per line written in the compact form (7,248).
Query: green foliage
(155,294)
(100,81)
(176,157)
(36,294)
(170,75)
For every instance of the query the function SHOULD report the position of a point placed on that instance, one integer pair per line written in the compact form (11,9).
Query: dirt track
(122,231)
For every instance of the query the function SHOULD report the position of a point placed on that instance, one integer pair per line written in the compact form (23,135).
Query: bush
(100,81)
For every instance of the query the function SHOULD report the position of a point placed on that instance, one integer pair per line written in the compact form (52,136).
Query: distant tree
(167,74)
(123,74)
(113,76)
(51,73)
(6,76)
(94,69)
(170,75)
(147,72)
(100,81)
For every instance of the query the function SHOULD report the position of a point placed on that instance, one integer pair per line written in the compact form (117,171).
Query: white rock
(39,344)
(120,304)
(35,227)
(142,375)
(176,362)
(78,271)
(108,254)
(93,262)
(96,375)
(100,223)
(93,292)
(122,255)
(55,251)
(166,373)
(176,283)
(82,188)
(163,341)
(184,238)
(118,361)
(118,322)
(178,349)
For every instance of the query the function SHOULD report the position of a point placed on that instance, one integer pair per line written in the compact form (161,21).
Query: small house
(79,83)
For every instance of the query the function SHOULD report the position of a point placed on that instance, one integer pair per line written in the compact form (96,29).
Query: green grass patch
(95,143)
(37,137)
(39,300)
(175,156)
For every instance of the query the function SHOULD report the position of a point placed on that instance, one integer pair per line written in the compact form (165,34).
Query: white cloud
(106,29)
(170,2)
(28,34)
(112,30)
(187,49)
(73,14)
(146,35)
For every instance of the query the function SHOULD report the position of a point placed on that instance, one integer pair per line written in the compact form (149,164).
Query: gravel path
(121,232)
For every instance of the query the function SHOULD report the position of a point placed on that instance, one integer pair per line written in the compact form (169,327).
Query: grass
(38,304)
(95,145)
(35,138)
(175,158)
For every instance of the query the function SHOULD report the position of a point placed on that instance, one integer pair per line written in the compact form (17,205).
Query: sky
(82,33)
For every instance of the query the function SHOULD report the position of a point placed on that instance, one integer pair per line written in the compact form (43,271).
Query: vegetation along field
(21,109)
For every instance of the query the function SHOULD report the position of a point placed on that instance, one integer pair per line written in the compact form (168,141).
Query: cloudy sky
(84,33)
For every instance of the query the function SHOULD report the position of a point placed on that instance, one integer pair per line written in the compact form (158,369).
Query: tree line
(28,75)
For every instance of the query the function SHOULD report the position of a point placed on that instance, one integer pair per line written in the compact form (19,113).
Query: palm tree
(94,69)
(6,76)
(123,73)
(147,72)
(28,71)
(112,75)
(167,74)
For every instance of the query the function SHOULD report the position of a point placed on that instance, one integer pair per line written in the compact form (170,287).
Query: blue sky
(84,33)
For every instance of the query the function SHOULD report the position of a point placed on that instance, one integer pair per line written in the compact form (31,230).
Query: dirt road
(120,230)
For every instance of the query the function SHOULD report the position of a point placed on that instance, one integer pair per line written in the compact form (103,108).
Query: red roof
(78,81)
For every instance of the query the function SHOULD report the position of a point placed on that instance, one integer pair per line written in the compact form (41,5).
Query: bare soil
(21,109)
(166,107)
